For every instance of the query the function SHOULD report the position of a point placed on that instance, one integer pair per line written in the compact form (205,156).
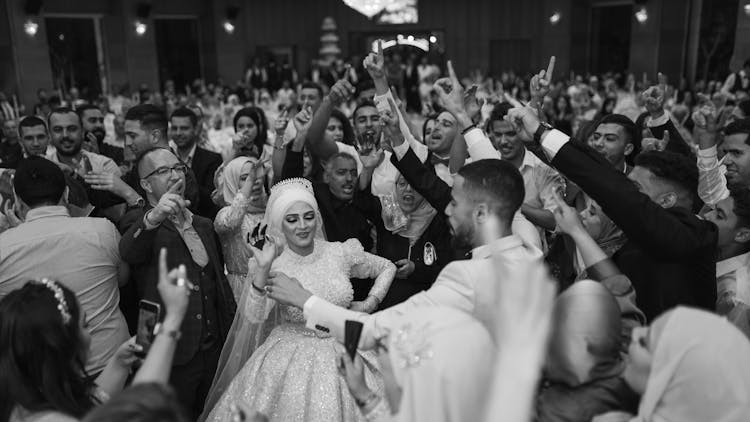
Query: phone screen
(148,317)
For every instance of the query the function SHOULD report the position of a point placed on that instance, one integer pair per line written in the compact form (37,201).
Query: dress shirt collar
(47,211)
(496,246)
(187,160)
(729,265)
(529,160)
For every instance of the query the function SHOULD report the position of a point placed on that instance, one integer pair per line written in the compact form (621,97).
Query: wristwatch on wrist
(543,127)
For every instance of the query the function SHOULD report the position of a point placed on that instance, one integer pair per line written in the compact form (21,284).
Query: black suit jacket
(140,248)
(204,166)
(670,253)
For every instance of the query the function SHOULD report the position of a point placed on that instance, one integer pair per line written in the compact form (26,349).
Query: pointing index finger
(380,48)
(175,188)
(163,264)
(452,73)
(550,68)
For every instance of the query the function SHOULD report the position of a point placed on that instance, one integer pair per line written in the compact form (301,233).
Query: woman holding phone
(271,362)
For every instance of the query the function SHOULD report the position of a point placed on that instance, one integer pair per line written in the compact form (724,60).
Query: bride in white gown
(271,363)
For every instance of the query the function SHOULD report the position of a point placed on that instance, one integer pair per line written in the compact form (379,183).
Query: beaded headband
(62,304)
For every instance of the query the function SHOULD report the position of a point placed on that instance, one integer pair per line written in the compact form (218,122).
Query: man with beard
(184,130)
(94,133)
(485,197)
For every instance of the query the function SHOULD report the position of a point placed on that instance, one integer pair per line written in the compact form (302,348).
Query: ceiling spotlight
(642,15)
(554,18)
(140,28)
(433,39)
(410,38)
(228,27)
(746,8)
(30,27)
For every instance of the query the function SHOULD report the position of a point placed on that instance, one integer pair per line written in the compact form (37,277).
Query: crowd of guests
(543,248)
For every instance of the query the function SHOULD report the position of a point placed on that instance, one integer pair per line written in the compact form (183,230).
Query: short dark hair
(312,85)
(62,110)
(496,182)
(361,105)
(149,116)
(630,128)
(185,112)
(85,107)
(675,168)
(148,402)
(739,126)
(142,155)
(499,111)
(38,181)
(31,121)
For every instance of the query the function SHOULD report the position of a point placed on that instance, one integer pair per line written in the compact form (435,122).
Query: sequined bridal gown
(293,375)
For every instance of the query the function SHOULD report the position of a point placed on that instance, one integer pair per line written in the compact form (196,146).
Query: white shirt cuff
(308,305)
(662,120)
(401,150)
(552,143)
(709,152)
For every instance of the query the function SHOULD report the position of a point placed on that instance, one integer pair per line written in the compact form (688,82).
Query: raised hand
(271,249)
(126,354)
(706,115)
(174,290)
(404,268)
(286,290)
(655,144)
(654,97)
(567,219)
(281,122)
(525,120)
(340,91)
(374,63)
(170,204)
(390,121)
(372,158)
(302,119)
(540,83)
(10,213)
(451,93)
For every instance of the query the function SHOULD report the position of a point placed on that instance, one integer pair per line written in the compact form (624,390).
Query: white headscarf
(700,371)
(231,184)
(283,195)
(442,359)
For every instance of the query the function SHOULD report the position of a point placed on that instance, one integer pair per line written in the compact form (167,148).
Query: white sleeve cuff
(709,152)
(401,150)
(309,303)
(662,120)
(553,142)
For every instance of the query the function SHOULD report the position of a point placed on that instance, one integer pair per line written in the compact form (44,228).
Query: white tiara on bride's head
(293,183)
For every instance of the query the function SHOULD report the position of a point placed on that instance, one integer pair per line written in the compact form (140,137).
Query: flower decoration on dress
(411,346)
(62,304)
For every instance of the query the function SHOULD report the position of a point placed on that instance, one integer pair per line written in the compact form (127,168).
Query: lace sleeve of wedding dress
(230,218)
(366,265)
(380,413)
(255,318)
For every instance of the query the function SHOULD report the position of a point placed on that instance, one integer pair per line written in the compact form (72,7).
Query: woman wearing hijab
(410,233)
(585,360)
(271,363)
(242,188)
(436,364)
(689,366)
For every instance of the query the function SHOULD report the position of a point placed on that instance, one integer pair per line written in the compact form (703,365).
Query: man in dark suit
(184,132)
(670,253)
(167,223)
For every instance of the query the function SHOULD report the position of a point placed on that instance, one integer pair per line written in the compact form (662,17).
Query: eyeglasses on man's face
(167,171)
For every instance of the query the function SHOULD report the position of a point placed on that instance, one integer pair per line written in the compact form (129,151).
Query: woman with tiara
(271,363)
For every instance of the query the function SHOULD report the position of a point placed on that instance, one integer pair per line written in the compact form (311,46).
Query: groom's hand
(286,290)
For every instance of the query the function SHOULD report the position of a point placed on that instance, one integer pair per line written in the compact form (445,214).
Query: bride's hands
(272,248)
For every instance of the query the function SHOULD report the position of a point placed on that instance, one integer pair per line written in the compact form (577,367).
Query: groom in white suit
(486,195)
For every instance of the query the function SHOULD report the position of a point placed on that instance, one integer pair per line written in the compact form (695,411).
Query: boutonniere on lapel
(429,255)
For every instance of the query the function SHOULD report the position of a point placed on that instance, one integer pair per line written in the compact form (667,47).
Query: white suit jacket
(467,285)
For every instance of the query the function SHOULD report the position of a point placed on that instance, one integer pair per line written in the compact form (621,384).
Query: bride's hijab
(286,193)
(585,344)
(231,183)
(442,360)
(700,370)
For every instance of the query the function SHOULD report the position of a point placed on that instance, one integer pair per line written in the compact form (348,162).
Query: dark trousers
(192,380)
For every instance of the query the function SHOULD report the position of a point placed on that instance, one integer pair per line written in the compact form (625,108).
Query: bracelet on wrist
(258,289)
(468,128)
